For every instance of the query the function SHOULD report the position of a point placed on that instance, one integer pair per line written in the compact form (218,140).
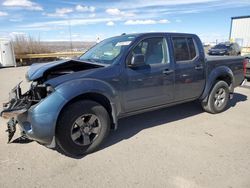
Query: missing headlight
(40,91)
(50,89)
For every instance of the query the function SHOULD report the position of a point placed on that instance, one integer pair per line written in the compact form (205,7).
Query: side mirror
(137,60)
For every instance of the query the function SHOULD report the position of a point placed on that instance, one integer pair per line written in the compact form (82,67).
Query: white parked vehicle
(7,56)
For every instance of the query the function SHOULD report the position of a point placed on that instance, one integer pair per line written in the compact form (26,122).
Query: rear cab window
(185,49)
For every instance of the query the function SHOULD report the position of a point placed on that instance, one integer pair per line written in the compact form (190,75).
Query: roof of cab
(155,33)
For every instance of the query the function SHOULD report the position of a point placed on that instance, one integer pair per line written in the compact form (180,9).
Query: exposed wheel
(82,127)
(218,98)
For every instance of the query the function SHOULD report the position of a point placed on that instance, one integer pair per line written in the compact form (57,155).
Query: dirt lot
(176,147)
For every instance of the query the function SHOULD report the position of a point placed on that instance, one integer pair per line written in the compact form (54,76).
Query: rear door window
(180,49)
(184,49)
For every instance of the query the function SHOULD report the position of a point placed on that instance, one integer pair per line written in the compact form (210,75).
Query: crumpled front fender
(39,121)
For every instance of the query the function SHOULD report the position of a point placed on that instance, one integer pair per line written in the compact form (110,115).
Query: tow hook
(11,128)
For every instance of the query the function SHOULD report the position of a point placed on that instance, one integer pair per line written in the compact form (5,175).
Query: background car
(232,49)
(247,56)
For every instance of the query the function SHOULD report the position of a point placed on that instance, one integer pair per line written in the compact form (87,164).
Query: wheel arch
(220,73)
(99,98)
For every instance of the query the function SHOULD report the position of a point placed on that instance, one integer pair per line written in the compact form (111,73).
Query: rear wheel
(218,98)
(82,127)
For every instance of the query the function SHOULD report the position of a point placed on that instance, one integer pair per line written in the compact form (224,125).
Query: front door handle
(198,67)
(167,71)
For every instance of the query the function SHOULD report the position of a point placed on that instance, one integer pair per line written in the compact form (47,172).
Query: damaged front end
(36,110)
(20,103)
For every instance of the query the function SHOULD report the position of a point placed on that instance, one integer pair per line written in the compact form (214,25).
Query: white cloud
(92,15)
(3,14)
(113,11)
(50,25)
(145,22)
(75,35)
(118,12)
(153,9)
(164,21)
(81,8)
(15,34)
(26,4)
(160,3)
(92,9)
(60,12)
(110,23)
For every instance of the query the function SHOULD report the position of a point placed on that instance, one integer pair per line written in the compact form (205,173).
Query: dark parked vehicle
(247,73)
(231,49)
(75,103)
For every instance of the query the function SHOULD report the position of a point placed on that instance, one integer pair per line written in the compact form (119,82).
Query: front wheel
(82,127)
(218,98)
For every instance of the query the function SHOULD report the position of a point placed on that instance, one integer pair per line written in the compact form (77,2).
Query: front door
(150,85)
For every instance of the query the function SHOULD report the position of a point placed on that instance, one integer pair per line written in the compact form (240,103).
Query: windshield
(109,50)
(221,46)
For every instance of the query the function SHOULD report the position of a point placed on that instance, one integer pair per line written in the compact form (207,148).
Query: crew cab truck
(73,104)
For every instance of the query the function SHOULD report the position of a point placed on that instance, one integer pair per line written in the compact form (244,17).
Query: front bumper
(37,122)
(17,104)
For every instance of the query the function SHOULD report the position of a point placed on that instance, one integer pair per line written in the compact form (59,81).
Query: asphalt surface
(176,147)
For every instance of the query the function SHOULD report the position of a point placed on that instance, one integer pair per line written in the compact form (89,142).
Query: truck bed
(235,63)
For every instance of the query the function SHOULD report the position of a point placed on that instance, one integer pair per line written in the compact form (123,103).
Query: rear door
(189,68)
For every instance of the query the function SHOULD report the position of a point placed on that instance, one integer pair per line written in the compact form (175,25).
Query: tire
(82,127)
(218,98)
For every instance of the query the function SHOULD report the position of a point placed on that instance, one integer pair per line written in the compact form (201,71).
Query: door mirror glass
(137,60)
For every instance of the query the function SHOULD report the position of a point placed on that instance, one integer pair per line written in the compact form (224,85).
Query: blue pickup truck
(73,104)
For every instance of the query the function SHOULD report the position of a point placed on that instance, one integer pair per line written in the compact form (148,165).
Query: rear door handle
(198,67)
(167,71)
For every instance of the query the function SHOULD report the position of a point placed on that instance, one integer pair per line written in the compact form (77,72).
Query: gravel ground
(180,146)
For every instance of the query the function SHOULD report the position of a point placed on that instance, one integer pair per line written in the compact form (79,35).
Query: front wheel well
(99,98)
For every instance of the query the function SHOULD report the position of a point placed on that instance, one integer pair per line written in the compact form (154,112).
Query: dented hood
(38,70)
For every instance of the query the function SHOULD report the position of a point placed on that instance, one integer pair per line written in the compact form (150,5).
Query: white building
(240,32)
(7,56)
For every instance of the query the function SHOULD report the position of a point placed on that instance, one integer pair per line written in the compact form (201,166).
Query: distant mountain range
(65,46)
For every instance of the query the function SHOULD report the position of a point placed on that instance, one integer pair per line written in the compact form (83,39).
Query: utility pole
(70,36)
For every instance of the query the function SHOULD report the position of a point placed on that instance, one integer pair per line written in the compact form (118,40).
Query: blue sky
(51,20)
